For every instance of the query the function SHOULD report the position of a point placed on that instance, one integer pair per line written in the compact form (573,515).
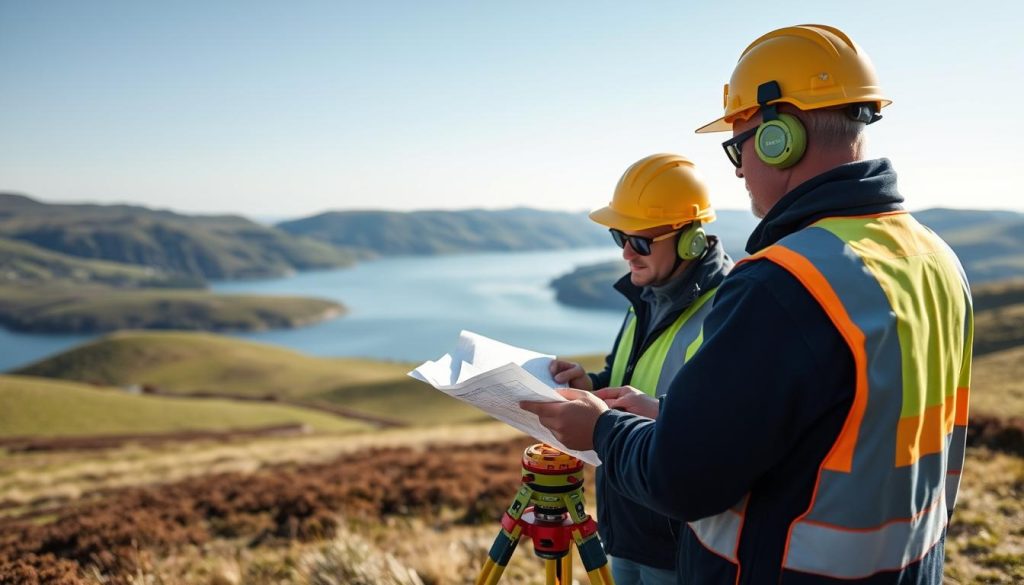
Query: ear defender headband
(866,113)
(692,243)
(781,140)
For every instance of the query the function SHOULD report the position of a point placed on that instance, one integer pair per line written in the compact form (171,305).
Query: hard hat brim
(719,125)
(724,124)
(608,217)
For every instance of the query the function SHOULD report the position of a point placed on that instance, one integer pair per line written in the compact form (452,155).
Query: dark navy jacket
(629,529)
(758,407)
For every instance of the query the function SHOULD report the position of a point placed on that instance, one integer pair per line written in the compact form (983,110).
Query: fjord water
(412,308)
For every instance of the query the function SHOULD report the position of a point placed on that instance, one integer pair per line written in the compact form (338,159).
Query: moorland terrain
(172,457)
(177,458)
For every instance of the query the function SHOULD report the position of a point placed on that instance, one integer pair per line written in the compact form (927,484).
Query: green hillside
(24,263)
(445,232)
(97,268)
(203,363)
(48,408)
(85,309)
(206,247)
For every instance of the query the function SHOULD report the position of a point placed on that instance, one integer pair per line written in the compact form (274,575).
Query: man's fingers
(555,366)
(571,393)
(542,409)
(614,402)
(572,422)
(568,374)
(607,394)
(539,408)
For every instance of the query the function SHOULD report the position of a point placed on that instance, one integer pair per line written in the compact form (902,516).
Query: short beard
(753,207)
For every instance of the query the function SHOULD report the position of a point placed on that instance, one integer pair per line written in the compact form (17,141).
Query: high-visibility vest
(898,296)
(660,361)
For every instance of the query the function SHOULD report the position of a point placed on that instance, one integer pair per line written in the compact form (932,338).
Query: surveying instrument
(549,509)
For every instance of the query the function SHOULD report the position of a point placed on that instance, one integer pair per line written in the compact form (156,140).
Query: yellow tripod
(549,509)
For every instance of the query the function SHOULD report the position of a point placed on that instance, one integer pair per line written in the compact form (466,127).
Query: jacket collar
(698,278)
(859,188)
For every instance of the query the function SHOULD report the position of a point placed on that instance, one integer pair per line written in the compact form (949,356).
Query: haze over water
(412,308)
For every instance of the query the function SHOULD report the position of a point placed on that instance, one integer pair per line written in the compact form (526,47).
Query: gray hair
(831,129)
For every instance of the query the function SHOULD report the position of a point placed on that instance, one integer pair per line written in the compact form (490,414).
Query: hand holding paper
(496,377)
(572,421)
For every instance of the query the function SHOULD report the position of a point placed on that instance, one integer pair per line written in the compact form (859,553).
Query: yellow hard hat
(816,66)
(661,189)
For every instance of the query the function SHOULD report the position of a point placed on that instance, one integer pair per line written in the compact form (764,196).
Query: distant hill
(199,363)
(445,232)
(24,263)
(990,245)
(996,388)
(51,408)
(59,308)
(207,247)
(998,316)
(95,268)
(591,287)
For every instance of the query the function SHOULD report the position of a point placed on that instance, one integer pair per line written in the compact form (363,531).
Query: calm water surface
(413,308)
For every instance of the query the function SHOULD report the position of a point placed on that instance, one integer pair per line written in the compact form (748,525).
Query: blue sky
(288,109)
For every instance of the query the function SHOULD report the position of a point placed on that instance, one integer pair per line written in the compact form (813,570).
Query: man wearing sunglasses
(656,216)
(819,433)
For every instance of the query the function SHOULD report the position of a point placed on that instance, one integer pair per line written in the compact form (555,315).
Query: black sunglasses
(734,146)
(640,244)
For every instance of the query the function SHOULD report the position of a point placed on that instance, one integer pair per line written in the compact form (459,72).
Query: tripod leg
(551,572)
(594,559)
(566,572)
(559,571)
(507,539)
(498,557)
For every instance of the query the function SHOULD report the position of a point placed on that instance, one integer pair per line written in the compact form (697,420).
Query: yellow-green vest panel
(662,359)
(898,296)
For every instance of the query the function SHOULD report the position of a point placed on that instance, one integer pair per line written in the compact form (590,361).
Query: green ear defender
(692,242)
(781,140)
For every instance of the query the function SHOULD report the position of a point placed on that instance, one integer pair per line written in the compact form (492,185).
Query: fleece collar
(859,188)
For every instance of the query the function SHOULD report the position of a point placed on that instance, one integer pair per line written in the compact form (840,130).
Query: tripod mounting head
(551,475)
(549,509)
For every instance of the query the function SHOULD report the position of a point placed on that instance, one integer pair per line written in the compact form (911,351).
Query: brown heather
(119,535)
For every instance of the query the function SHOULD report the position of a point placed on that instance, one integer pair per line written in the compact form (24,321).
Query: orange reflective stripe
(917,436)
(840,458)
(962,395)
